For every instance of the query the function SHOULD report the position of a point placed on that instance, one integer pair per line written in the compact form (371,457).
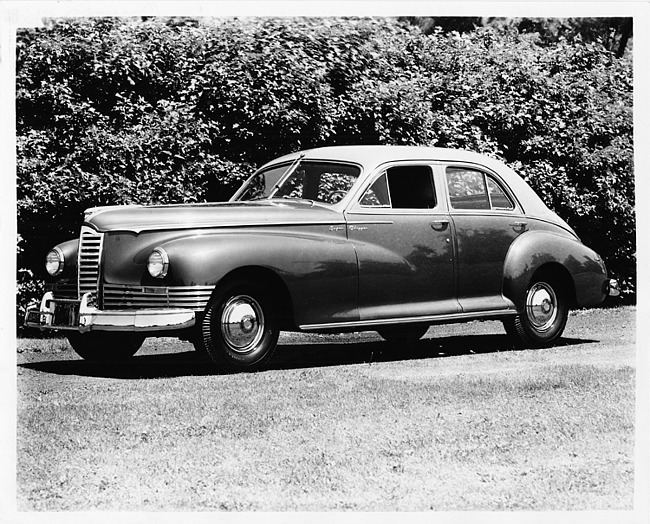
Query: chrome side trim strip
(221,225)
(372,222)
(432,319)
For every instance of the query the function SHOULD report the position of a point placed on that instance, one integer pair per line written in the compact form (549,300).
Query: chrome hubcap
(541,306)
(242,323)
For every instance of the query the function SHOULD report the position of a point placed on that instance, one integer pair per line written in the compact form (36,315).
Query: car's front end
(78,298)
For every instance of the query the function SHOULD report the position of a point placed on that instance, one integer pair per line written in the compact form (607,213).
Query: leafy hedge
(161,110)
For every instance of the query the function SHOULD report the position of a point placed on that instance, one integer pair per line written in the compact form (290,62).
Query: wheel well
(273,285)
(562,276)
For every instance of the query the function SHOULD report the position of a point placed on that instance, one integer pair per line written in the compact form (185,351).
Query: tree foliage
(177,110)
(612,33)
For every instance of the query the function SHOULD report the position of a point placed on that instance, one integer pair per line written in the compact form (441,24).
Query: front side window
(377,194)
(472,189)
(402,187)
(324,182)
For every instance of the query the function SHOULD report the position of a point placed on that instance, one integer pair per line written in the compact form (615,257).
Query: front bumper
(80,315)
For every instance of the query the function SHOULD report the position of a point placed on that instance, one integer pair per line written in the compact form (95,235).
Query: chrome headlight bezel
(158,263)
(54,262)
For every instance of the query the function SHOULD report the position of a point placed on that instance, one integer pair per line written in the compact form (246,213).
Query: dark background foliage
(151,110)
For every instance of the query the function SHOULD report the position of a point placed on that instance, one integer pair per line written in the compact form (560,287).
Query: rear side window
(402,187)
(498,197)
(472,189)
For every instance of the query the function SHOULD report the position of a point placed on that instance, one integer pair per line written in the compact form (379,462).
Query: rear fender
(536,249)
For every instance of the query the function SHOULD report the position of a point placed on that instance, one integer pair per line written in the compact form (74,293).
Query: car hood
(137,218)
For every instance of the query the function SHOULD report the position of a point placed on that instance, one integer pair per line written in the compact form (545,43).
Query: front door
(403,238)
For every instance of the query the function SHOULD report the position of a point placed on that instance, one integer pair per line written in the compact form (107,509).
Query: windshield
(324,182)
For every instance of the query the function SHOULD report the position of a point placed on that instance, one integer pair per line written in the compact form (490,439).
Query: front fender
(535,249)
(69,249)
(319,272)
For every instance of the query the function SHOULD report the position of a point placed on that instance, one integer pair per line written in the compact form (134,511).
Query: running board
(361,325)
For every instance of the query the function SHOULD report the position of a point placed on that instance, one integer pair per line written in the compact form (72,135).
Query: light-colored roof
(372,156)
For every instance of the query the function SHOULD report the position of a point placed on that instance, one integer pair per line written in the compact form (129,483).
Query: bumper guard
(614,289)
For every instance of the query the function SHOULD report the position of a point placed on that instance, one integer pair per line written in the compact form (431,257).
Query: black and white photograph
(310,260)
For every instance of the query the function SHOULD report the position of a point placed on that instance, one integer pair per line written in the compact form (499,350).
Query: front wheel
(239,331)
(105,345)
(545,314)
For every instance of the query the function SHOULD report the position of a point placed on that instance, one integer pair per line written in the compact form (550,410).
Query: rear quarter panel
(534,249)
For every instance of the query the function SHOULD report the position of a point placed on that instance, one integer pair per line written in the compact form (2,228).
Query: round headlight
(54,262)
(158,263)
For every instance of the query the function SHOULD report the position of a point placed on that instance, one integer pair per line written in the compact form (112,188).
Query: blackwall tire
(545,314)
(105,345)
(239,331)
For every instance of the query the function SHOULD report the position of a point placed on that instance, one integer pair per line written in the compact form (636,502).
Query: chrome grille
(135,297)
(64,289)
(90,251)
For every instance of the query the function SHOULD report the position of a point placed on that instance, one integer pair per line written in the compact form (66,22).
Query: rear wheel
(239,331)
(407,333)
(105,345)
(545,314)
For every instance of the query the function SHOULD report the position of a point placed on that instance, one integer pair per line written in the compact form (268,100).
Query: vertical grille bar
(90,250)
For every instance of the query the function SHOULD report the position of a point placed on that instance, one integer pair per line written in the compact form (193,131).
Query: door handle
(439,225)
(519,227)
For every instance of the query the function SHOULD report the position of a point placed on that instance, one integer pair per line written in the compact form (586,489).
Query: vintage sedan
(349,238)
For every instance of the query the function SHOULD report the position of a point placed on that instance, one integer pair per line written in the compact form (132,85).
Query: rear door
(486,219)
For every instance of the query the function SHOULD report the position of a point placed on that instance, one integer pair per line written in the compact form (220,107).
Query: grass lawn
(458,421)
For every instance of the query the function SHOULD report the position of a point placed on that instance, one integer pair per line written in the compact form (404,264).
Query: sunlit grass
(502,430)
